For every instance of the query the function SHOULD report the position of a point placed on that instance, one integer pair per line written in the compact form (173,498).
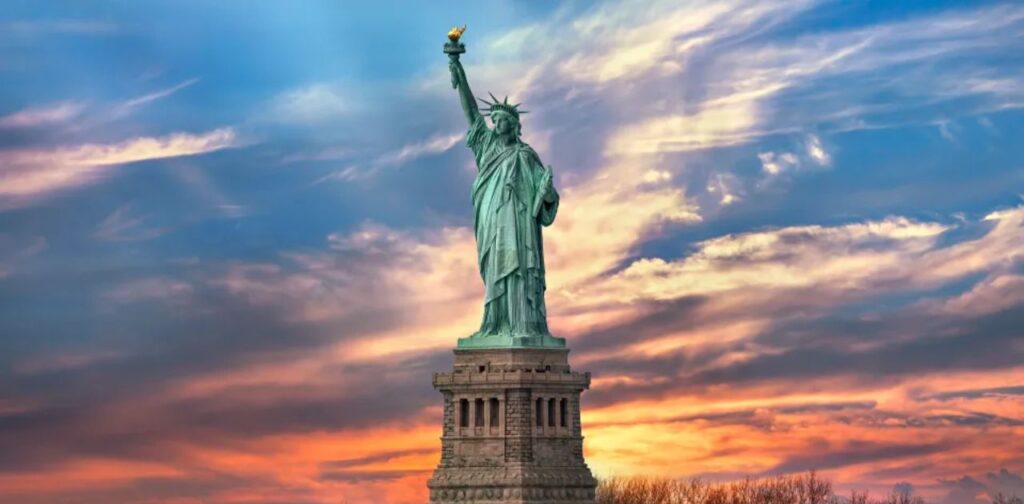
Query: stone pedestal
(512,429)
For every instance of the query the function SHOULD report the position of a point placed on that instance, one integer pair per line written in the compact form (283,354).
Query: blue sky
(786,229)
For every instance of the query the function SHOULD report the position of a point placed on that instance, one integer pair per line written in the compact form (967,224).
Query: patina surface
(513,198)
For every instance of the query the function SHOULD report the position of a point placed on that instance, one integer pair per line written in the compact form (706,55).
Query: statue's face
(503,124)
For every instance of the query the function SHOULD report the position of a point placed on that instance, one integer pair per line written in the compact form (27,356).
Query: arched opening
(495,407)
(551,412)
(563,410)
(479,420)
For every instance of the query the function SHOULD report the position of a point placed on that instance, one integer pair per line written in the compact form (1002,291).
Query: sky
(236,240)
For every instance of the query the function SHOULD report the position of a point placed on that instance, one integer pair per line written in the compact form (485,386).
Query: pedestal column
(521,462)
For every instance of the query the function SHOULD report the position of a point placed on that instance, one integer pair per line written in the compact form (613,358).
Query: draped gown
(508,233)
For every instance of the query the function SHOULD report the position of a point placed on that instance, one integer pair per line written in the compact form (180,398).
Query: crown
(502,106)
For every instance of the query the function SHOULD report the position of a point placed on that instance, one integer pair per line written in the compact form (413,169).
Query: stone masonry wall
(518,442)
(448,429)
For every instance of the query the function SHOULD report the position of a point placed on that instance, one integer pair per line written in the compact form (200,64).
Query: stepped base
(570,485)
(477,341)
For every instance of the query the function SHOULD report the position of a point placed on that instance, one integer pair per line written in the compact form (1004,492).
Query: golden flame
(455,33)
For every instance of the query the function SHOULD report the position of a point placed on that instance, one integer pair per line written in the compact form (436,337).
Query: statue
(513,197)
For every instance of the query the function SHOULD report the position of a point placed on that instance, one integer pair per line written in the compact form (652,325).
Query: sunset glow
(236,240)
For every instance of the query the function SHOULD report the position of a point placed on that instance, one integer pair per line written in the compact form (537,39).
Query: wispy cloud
(33,172)
(778,163)
(325,154)
(433,145)
(727,187)
(127,106)
(743,86)
(64,361)
(41,116)
(404,154)
(124,225)
(861,257)
(13,251)
(68,112)
(817,152)
(316,103)
(367,272)
(775,163)
(147,289)
(198,181)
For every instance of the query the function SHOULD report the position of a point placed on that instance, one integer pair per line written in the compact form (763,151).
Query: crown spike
(493,97)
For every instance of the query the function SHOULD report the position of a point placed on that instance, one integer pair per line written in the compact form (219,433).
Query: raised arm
(460,83)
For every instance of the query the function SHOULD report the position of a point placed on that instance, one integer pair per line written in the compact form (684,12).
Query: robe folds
(508,190)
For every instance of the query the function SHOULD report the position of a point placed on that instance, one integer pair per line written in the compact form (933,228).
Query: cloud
(404,154)
(816,152)
(730,311)
(653,46)
(778,163)
(316,103)
(13,251)
(347,174)
(366,276)
(35,172)
(374,459)
(64,361)
(741,88)
(978,393)
(127,106)
(433,145)
(995,293)
(627,43)
(41,116)
(971,490)
(148,289)
(378,475)
(854,453)
(123,225)
(947,129)
(717,124)
(326,154)
(852,259)
(774,164)
(727,186)
(845,256)
(206,190)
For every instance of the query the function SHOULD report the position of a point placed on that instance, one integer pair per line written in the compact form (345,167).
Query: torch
(453,48)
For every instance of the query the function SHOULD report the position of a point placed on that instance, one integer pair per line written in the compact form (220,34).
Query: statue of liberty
(513,196)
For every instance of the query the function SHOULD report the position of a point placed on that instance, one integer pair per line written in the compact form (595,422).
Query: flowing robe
(508,234)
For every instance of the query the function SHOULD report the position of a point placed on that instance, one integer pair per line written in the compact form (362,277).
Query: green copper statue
(513,196)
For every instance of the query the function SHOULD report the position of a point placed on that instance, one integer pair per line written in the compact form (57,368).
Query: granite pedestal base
(512,429)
